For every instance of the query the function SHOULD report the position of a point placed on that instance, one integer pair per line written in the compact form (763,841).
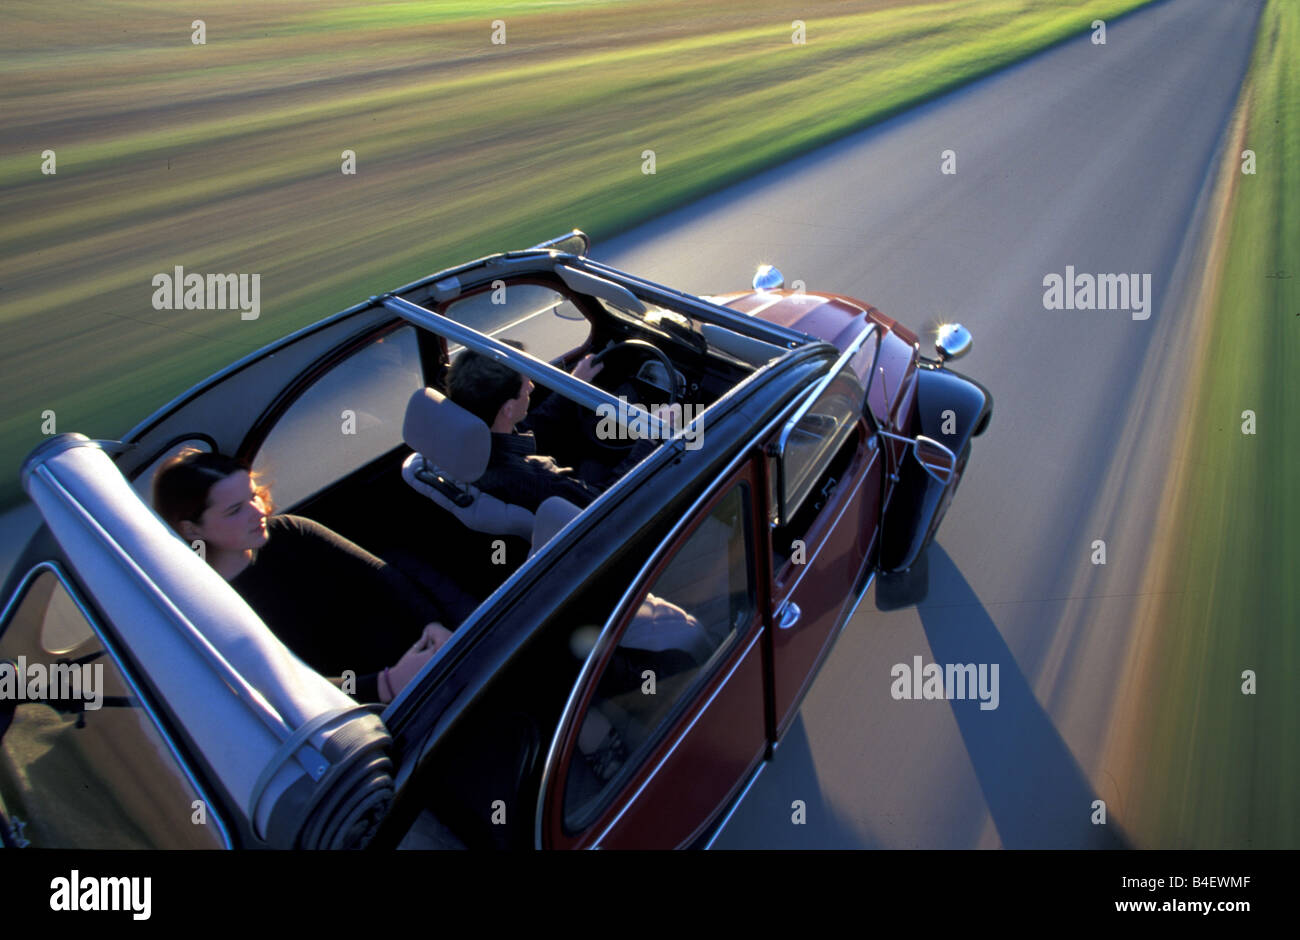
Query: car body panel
(831,317)
(716,752)
(838,319)
(715,740)
(838,548)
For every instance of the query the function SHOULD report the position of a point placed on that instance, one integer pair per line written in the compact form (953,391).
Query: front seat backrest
(452,447)
(554,513)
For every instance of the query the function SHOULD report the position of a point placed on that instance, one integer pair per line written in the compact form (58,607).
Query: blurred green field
(226,157)
(1222,768)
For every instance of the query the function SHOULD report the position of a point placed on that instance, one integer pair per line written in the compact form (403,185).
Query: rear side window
(82,763)
(350,416)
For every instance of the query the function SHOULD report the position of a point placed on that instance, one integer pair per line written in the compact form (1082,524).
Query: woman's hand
(434,637)
(393,679)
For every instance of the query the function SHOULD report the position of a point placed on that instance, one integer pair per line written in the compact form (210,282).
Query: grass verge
(1221,769)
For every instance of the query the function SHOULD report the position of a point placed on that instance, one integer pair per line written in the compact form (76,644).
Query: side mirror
(768,278)
(953,341)
(939,461)
(567,311)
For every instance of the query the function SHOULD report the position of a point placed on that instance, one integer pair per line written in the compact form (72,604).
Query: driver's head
(489,389)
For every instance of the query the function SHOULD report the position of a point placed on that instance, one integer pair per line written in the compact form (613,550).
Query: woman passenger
(335,605)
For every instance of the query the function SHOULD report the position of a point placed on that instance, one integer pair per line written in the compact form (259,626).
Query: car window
(82,763)
(812,439)
(543,319)
(347,418)
(682,627)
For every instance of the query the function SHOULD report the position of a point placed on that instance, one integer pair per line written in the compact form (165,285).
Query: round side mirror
(939,461)
(953,341)
(768,278)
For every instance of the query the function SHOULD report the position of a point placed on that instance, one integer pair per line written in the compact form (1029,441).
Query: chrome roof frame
(446,284)
(526,363)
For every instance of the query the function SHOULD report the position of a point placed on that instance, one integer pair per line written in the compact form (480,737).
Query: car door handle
(788,615)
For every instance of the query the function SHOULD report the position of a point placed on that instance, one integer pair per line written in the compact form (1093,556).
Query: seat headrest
(446,435)
(554,513)
(484,513)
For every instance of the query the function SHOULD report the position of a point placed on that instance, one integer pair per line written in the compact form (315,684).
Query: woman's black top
(335,605)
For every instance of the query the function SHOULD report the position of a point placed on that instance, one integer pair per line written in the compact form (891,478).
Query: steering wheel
(619,379)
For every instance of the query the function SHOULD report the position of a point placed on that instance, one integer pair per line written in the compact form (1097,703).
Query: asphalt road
(1096,156)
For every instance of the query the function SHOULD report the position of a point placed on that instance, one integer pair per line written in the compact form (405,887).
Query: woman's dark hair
(481,385)
(181,485)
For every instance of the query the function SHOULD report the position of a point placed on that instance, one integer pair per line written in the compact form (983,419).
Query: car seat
(554,513)
(451,450)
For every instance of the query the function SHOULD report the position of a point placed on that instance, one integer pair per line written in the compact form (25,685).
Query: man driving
(499,396)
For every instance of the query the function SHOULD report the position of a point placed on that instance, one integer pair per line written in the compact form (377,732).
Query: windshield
(668,322)
(541,318)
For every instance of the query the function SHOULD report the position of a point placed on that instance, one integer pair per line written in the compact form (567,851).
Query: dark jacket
(335,605)
(516,474)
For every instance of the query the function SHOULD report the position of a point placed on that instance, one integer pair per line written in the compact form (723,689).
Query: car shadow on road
(1036,792)
(766,817)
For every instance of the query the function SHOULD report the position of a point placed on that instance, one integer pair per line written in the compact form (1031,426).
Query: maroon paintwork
(725,737)
(838,320)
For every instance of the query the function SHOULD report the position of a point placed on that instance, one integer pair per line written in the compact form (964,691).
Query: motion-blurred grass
(226,157)
(1224,767)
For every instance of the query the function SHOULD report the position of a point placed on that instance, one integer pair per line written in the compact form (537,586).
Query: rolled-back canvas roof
(259,715)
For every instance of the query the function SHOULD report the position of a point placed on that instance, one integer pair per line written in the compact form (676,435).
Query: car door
(826,473)
(667,719)
(86,763)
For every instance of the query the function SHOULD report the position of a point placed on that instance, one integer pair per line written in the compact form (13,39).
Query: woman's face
(235,519)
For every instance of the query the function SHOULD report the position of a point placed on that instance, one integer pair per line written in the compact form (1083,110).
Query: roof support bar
(543,373)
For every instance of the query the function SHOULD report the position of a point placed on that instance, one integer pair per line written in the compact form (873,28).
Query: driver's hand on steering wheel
(586,369)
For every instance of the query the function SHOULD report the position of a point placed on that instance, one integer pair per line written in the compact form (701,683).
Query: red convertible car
(630,666)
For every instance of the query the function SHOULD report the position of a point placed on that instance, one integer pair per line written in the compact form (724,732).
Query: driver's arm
(556,422)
